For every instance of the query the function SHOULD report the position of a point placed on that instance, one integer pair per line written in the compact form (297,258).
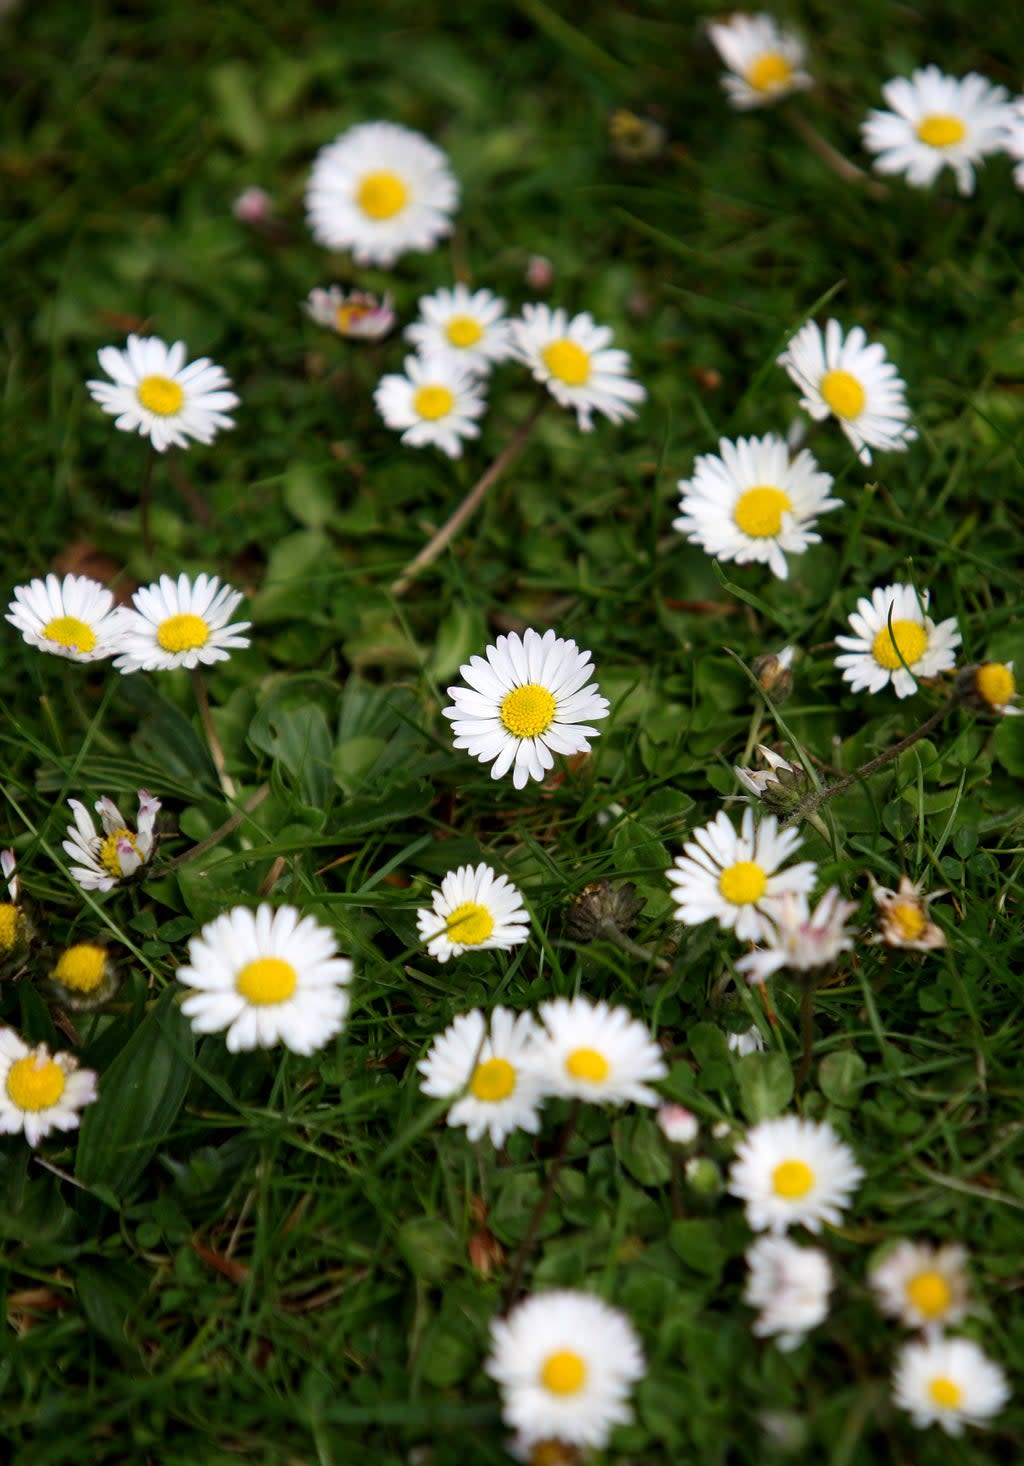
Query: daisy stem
(609,929)
(144,499)
(221,833)
(806,1034)
(212,741)
(832,158)
(470,504)
(544,1201)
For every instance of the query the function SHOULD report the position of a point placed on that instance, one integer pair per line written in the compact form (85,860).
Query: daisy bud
(635,139)
(678,1124)
(703,1177)
(84,976)
(780,787)
(774,674)
(252,206)
(540,272)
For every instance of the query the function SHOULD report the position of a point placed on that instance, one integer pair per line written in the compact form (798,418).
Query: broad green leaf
(766,1085)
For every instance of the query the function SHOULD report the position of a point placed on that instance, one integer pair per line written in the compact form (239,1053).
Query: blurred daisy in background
(353,314)
(474,910)
(15,928)
(800,940)
(593,1052)
(903,917)
(40,1091)
(180,623)
(75,617)
(467,326)
(1013,140)
(765,62)
(791,1287)
(153,392)
(924,1287)
(575,360)
(937,122)
(793,1173)
(990,687)
(948,1382)
(435,403)
(895,641)
(484,1058)
(114,854)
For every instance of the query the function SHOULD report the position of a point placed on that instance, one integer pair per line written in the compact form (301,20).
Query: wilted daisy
(268,977)
(524,704)
(486,1061)
(74,617)
(14,925)
(85,975)
(354,314)
(989,688)
(154,393)
(925,1287)
(780,786)
(436,402)
(577,363)
(474,911)
(852,380)
(180,623)
(379,190)
(565,1362)
(765,62)
(895,640)
(466,325)
(730,877)
(793,1173)
(752,502)
(801,940)
(593,1052)
(904,919)
(790,1285)
(110,857)
(948,1382)
(937,122)
(40,1091)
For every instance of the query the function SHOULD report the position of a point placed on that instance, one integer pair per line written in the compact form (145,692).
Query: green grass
(269,1258)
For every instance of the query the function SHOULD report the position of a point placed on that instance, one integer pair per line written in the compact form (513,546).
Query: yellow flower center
(267,980)
(8,926)
(792,1179)
(82,967)
(528,710)
(70,632)
(32,1085)
(567,361)
(347,316)
(110,857)
(469,924)
(587,1064)
(433,402)
(743,883)
(907,643)
(493,1080)
(995,683)
(930,1294)
(908,919)
(160,395)
(769,72)
(182,633)
(843,393)
(940,130)
(382,195)
(463,331)
(946,1393)
(564,1373)
(759,511)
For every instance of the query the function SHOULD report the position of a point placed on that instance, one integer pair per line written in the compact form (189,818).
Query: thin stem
(608,929)
(145,494)
(213,742)
(470,504)
(806,1034)
(544,1201)
(219,834)
(832,158)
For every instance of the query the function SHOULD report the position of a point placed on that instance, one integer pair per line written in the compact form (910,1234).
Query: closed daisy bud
(775,673)
(635,139)
(40,1091)
(780,787)
(112,857)
(85,975)
(679,1125)
(989,687)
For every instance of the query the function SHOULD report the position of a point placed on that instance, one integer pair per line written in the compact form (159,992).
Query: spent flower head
(990,688)
(85,976)
(354,314)
(806,943)
(903,917)
(113,854)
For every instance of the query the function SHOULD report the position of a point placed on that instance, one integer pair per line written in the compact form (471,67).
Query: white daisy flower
(790,1285)
(577,363)
(766,62)
(40,1091)
(268,977)
(750,1041)
(1013,139)
(989,688)
(948,1382)
(437,401)
(116,854)
(937,122)
(524,704)
(180,623)
(753,502)
(474,911)
(896,641)
(565,1363)
(799,939)
(13,924)
(904,919)
(354,314)
(155,394)
(592,1052)
(791,1173)
(852,380)
(469,327)
(497,1092)
(85,975)
(74,617)
(925,1287)
(730,877)
(379,190)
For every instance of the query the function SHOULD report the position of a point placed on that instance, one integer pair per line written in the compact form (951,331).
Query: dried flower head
(904,919)
(600,906)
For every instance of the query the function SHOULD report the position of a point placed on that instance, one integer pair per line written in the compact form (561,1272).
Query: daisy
(948,1382)
(74,617)
(790,1285)
(1013,139)
(895,641)
(380,190)
(40,1091)
(85,975)
(356,315)
(766,62)
(750,1041)
(180,624)
(801,940)
(468,327)
(792,1172)
(853,380)
(474,910)
(524,704)
(155,394)
(496,1092)
(268,977)
(989,688)
(925,1287)
(904,920)
(679,1125)
(592,1052)
(576,362)
(116,854)
(937,122)
(780,786)
(754,503)
(15,929)
(565,1362)
(731,877)
(437,401)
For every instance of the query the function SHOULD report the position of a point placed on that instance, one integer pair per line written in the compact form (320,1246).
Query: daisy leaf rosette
(792,1172)
(466,326)
(593,1052)
(479,1063)
(40,1091)
(935,122)
(180,623)
(159,395)
(75,617)
(435,403)
(895,642)
(474,910)
(766,63)
(948,1382)
(575,360)
(115,852)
